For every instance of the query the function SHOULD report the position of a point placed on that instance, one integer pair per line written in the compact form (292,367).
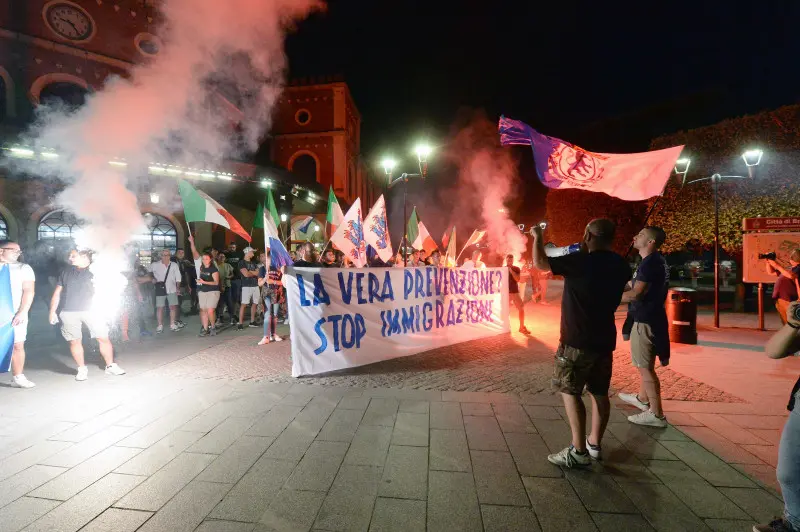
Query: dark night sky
(607,75)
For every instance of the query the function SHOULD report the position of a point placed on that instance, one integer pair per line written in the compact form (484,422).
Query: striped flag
(199,207)
(418,234)
(277,252)
(335,215)
(6,317)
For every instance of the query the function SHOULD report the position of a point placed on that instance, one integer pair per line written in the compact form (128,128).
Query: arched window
(160,234)
(58,225)
(3,228)
(305,166)
(63,93)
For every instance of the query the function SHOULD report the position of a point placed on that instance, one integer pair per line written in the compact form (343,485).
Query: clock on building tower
(68,20)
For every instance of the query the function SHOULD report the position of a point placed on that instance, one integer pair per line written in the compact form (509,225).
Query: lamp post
(752,158)
(422,151)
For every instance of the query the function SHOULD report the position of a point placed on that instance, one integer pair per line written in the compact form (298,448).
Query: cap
(247,250)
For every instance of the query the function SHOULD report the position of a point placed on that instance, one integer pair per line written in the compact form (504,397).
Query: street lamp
(752,158)
(423,151)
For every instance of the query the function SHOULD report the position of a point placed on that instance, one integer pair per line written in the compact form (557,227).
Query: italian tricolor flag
(198,207)
(418,236)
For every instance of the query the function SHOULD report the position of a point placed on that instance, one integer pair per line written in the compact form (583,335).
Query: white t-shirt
(471,265)
(19,273)
(159,271)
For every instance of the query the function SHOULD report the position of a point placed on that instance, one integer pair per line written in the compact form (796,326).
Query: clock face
(69,21)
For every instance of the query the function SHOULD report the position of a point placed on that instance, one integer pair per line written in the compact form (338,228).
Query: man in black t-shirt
(513,292)
(248,270)
(650,332)
(305,256)
(594,279)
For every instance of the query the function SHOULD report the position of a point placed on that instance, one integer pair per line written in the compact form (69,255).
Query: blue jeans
(788,471)
(270,317)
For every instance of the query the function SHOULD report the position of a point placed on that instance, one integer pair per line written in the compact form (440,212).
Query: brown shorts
(643,351)
(576,368)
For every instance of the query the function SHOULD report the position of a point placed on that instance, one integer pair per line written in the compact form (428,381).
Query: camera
(768,256)
(796,312)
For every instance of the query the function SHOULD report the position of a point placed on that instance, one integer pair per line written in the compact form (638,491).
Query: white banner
(343,317)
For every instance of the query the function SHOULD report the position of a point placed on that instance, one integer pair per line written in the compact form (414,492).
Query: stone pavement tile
(213,525)
(767,453)
(530,455)
(342,425)
(453,502)
(274,421)
(662,508)
(350,501)
(666,434)
(318,468)
(751,421)
(479,397)
(476,409)
(22,439)
(188,508)
(446,416)
(771,436)
(508,519)
(727,429)
(483,434)
(639,441)
(223,435)
(291,510)
(556,505)
(381,411)
(237,459)
(708,466)
(721,446)
(496,479)
(449,451)
(250,497)
(729,525)
(541,399)
(79,477)
(159,454)
(682,419)
(253,404)
(369,446)
(404,393)
(619,522)
(293,442)
(701,497)
(556,434)
(415,407)
(410,429)
(353,403)
(758,504)
(83,430)
(88,504)
(314,416)
(116,520)
(764,475)
(206,420)
(24,511)
(398,515)
(161,487)
(72,456)
(298,399)
(405,475)
(599,492)
(147,436)
(541,412)
(512,418)
(14,463)
(18,485)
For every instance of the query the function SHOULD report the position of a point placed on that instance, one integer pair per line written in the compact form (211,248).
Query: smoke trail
(177,107)
(487,182)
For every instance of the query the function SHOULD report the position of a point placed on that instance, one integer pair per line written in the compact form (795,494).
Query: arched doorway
(159,234)
(3,228)
(63,93)
(58,226)
(305,165)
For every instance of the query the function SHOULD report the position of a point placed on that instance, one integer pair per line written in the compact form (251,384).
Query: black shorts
(576,368)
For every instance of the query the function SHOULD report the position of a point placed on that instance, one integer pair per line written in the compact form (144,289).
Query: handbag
(161,286)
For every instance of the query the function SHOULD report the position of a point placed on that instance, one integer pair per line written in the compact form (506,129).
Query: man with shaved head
(594,279)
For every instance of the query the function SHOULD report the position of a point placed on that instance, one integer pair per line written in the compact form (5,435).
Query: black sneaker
(233,322)
(239,327)
(254,324)
(203,332)
(213,331)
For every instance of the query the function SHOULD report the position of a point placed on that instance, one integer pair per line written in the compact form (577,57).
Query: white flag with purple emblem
(627,176)
(376,230)
(349,236)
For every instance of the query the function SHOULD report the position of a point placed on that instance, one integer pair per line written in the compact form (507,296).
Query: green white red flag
(199,207)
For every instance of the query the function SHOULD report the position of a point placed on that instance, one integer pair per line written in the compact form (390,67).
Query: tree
(686,211)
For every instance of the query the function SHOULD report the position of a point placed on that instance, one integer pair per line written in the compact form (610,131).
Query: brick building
(67,49)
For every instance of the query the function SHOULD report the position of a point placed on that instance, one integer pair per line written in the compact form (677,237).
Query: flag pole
(650,212)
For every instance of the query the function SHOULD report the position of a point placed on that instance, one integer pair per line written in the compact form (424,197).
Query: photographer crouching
(785,290)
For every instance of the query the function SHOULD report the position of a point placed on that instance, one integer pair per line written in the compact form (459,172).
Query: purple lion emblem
(355,234)
(378,227)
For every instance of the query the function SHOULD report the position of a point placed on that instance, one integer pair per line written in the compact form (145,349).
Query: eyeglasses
(12,250)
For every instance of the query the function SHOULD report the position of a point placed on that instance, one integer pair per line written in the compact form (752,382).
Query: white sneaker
(277,338)
(648,419)
(83,374)
(286,322)
(174,328)
(114,369)
(570,458)
(594,450)
(20,381)
(633,399)
(159,329)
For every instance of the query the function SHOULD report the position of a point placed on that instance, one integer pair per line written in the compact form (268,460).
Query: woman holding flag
(207,289)
(272,293)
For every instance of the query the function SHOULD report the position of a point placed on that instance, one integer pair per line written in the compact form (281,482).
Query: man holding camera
(785,290)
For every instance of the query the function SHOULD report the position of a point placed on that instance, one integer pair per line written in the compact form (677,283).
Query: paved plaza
(212,434)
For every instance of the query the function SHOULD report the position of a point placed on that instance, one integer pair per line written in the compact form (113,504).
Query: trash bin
(682,315)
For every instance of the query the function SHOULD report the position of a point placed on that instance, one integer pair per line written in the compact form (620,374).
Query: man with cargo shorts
(650,331)
(77,285)
(594,279)
(167,280)
(22,281)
